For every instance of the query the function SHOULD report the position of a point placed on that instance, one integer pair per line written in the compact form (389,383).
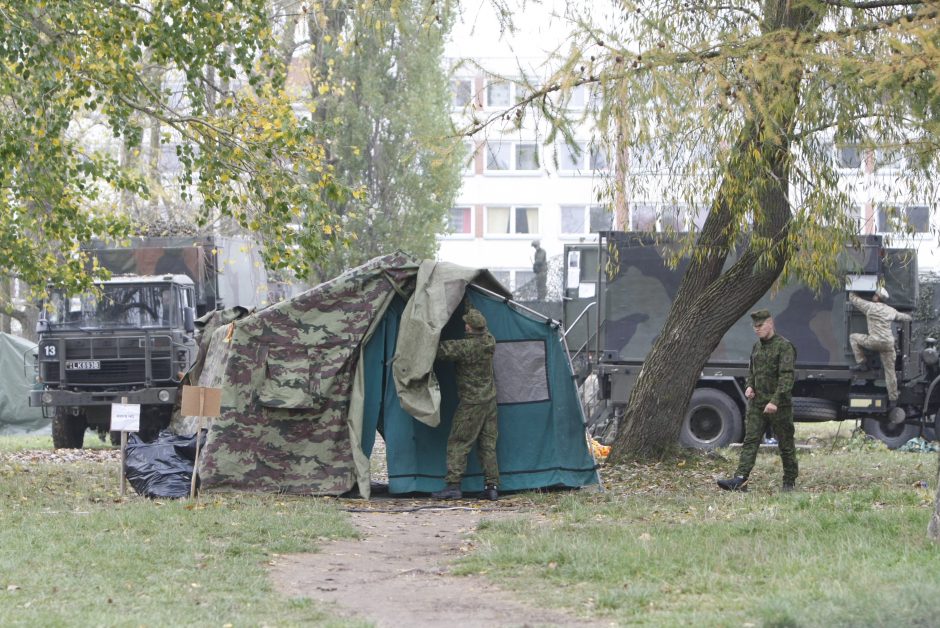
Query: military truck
(612,318)
(132,338)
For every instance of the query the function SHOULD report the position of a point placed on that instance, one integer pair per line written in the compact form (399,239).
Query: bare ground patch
(398,573)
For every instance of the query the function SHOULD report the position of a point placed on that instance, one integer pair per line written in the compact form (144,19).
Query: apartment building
(517,188)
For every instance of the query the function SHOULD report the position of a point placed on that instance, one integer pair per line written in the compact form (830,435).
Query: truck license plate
(83,365)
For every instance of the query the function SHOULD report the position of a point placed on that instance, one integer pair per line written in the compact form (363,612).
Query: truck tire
(713,420)
(891,435)
(68,431)
(814,409)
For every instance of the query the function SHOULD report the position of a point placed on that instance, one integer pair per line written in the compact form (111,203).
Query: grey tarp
(17,356)
(440,289)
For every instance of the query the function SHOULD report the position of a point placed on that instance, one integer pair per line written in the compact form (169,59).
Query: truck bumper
(58,398)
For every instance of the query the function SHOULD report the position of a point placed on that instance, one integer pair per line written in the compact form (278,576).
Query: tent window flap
(521,372)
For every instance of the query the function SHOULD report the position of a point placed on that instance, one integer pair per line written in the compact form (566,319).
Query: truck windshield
(118,305)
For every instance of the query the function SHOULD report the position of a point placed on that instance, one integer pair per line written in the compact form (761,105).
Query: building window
(524,279)
(509,220)
(460,221)
(901,218)
(506,156)
(498,94)
(643,216)
(581,157)
(527,156)
(498,155)
(582,219)
(461,93)
(673,218)
(890,159)
(848,156)
(504,277)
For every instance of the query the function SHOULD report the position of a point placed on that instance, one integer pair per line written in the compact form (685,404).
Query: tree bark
(709,300)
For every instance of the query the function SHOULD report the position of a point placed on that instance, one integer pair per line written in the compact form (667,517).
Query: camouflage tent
(307,383)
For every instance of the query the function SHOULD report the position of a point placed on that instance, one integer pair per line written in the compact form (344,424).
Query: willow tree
(741,104)
(78,77)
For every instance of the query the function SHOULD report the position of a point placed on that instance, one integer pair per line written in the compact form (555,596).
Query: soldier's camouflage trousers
(474,422)
(885,350)
(756,424)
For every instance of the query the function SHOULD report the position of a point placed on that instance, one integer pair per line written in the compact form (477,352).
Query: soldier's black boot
(788,486)
(737,483)
(490,492)
(451,491)
(858,367)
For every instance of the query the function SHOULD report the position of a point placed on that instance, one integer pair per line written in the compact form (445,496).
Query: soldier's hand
(770,408)
(749,392)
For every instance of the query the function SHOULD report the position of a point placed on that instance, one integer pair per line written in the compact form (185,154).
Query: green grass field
(661,546)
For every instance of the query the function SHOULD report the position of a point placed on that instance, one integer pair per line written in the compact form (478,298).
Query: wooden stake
(123,455)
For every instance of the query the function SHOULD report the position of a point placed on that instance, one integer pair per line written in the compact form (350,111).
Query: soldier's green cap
(475,319)
(759,316)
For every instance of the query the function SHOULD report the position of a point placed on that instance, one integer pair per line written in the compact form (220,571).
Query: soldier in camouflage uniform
(880,338)
(475,418)
(769,388)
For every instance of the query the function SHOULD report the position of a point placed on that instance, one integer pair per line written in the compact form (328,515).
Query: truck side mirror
(189,319)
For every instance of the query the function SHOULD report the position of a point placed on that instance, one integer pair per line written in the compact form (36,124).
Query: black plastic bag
(163,468)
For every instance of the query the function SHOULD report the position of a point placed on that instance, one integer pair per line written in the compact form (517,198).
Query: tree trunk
(710,300)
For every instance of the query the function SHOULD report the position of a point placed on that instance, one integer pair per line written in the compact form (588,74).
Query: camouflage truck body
(133,340)
(634,293)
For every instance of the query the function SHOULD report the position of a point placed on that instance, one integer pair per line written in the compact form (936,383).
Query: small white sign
(125,417)
(587,290)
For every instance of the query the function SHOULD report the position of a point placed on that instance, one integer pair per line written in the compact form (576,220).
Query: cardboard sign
(201,401)
(125,417)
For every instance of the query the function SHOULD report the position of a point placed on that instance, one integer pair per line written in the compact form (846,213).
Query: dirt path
(398,574)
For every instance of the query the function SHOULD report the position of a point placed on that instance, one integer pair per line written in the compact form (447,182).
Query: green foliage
(207,72)
(377,84)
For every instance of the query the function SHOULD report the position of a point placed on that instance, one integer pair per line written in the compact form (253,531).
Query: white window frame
(513,169)
(511,234)
(585,209)
(460,235)
(589,152)
(491,82)
(837,155)
(905,210)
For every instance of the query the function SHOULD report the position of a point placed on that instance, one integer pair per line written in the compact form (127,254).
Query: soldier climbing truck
(612,318)
(133,338)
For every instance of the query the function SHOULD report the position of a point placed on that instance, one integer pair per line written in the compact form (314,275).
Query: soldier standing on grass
(769,391)
(475,418)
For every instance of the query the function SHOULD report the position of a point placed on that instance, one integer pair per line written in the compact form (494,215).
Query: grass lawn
(73,553)
(661,546)
(664,547)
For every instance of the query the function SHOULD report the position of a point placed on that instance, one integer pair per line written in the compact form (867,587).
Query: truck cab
(128,341)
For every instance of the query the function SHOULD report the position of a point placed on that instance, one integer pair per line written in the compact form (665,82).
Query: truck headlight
(163,395)
(47,398)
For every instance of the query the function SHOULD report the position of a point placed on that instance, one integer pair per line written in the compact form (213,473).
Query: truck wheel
(713,420)
(891,435)
(814,409)
(68,431)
